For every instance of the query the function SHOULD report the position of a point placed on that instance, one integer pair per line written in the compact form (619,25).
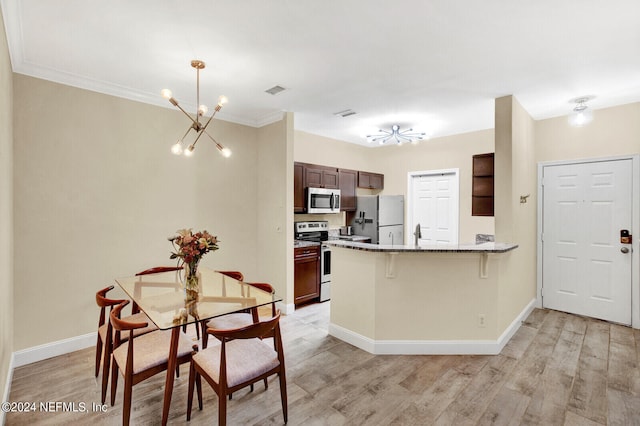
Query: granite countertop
(300,243)
(349,238)
(490,247)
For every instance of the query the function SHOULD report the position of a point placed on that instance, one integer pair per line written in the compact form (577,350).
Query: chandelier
(395,134)
(197,124)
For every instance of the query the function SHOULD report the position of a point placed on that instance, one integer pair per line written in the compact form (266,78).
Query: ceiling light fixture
(198,126)
(581,113)
(397,135)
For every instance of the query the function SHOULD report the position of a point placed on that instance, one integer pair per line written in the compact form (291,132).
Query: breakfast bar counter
(489,247)
(406,299)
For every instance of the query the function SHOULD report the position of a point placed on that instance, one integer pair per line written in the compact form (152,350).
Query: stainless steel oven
(325,272)
(318,231)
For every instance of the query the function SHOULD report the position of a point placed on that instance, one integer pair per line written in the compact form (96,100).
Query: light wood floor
(558,369)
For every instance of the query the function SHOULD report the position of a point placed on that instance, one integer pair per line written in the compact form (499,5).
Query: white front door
(434,206)
(585,269)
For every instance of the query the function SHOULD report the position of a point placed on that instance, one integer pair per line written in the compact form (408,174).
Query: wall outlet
(482,321)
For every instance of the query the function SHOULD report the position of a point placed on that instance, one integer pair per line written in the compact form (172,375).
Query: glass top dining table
(161,296)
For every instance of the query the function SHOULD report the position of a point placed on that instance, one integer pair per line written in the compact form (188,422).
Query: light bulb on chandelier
(196,125)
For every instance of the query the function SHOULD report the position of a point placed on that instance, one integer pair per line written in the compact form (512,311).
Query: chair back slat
(236,275)
(158,269)
(103,301)
(252,331)
(122,325)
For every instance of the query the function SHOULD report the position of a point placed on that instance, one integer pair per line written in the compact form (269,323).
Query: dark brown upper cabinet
(347,180)
(320,177)
(370,180)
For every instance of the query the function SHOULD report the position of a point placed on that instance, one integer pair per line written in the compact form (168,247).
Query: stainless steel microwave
(323,200)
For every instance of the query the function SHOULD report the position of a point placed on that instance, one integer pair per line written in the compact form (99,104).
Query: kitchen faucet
(417,234)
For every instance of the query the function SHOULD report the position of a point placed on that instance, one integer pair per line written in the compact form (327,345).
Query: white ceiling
(435,65)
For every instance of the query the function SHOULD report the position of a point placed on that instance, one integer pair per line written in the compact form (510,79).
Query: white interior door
(434,205)
(585,268)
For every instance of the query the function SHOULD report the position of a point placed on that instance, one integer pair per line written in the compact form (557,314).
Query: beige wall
(6,211)
(613,131)
(395,162)
(515,175)
(97,193)
(316,149)
(274,212)
(441,153)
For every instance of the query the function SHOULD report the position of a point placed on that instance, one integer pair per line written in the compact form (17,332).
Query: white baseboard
(49,350)
(286,308)
(432,347)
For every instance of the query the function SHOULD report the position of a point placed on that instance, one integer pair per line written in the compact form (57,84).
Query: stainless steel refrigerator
(381,218)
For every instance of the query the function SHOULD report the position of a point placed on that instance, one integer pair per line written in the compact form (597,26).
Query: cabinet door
(370,180)
(330,179)
(306,277)
(298,188)
(347,182)
(313,177)
(376,181)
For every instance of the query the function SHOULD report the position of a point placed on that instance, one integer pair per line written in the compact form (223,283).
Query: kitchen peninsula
(407,299)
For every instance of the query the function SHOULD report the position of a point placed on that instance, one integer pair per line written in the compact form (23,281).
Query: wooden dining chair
(236,275)
(241,359)
(140,358)
(104,344)
(237,319)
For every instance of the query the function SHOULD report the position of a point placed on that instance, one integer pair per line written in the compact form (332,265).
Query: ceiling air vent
(275,90)
(345,113)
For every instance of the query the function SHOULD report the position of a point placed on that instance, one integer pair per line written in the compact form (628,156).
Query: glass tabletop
(162,297)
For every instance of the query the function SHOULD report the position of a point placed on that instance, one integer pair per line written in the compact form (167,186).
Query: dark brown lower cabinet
(306,274)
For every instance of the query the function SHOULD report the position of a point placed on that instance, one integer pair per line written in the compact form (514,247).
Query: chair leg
(114,383)
(192,380)
(106,362)
(222,410)
(199,388)
(98,354)
(126,409)
(283,394)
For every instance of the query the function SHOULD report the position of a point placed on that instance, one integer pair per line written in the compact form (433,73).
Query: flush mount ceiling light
(197,125)
(581,113)
(396,135)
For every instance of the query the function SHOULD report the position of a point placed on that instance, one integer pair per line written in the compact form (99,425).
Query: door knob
(624,250)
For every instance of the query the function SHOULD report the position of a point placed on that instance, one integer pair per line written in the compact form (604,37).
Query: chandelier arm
(186,133)
(175,103)
(218,145)
(403,137)
(412,135)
